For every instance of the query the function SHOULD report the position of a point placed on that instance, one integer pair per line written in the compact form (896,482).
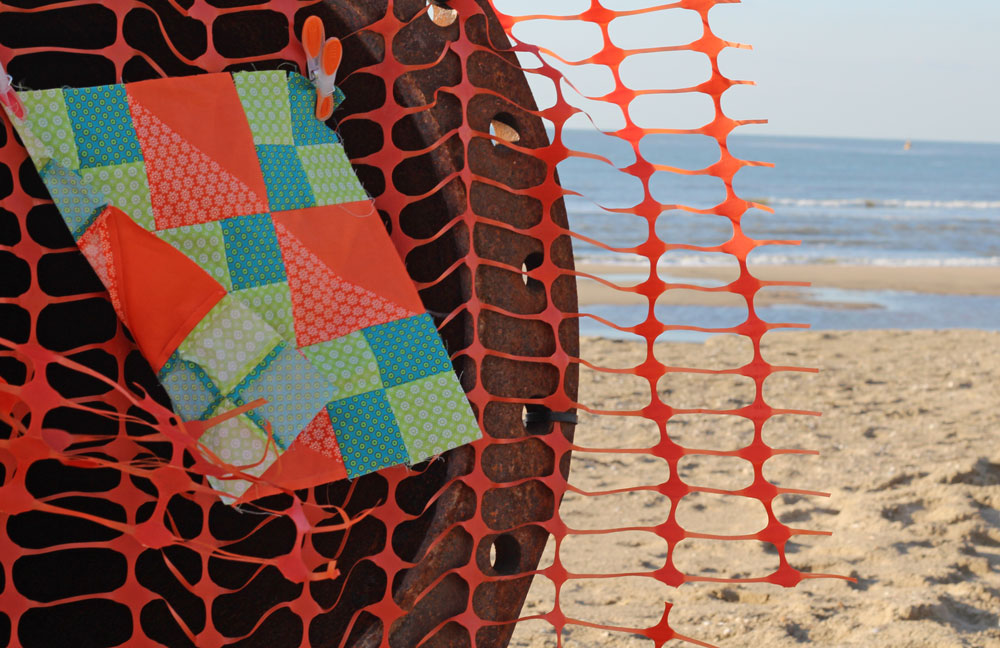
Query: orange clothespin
(8,97)
(322,60)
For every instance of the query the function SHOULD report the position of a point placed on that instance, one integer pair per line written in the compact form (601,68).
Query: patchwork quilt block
(248,262)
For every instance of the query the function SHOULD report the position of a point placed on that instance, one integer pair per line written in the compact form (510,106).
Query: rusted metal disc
(50,49)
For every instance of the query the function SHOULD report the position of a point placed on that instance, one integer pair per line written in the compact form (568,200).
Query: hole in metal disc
(505,554)
(441,14)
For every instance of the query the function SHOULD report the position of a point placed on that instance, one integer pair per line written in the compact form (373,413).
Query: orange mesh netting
(109,528)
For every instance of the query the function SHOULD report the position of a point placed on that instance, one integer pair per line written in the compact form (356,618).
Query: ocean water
(856,202)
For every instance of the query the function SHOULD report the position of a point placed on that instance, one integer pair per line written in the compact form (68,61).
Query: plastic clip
(8,97)
(323,57)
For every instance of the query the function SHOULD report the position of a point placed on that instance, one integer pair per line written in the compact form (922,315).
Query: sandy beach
(909,454)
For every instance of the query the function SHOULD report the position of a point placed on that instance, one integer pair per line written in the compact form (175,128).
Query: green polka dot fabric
(348,363)
(240,442)
(367,433)
(432,416)
(252,251)
(126,187)
(191,390)
(408,349)
(286,181)
(45,112)
(274,303)
(78,203)
(265,100)
(229,343)
(102,126)
(330,174)
(203,244)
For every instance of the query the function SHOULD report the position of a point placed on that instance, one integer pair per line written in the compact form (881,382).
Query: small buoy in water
(907,145)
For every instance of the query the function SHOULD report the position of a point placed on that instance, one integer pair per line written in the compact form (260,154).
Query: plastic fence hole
(504,128)
(531,262)
(440,13)
(505,554)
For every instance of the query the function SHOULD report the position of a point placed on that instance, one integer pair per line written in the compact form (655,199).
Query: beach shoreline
(932,280)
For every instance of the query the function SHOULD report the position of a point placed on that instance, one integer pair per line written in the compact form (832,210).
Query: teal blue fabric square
(294,389)
(367,433)
(76,201)
(102,126)
(306,129)
(191,391)
(408,349)
(287,184)
(252,251)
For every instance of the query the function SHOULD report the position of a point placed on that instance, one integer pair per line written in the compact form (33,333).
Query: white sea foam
(896,203)
(716,259)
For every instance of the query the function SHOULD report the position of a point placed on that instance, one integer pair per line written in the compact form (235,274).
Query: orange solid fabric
(342,238)
(163,293)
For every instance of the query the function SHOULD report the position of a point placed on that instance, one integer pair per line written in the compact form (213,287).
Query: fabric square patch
(126,187)
(320,437)
(433,415)
(102,124)
(287,184)
(330,174)
(305,127)
(229,343)
(46,115)
(77,202)
(348,363)
(203,244)
(367,433)
(252,251)
(239,442)
(408,349)
(191,390)
(294,390)
(264,96)
(274,304)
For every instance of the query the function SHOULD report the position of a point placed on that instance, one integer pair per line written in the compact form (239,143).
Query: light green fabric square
(330,174)
(264,96)
(229,343)
(203,244)
(51,129)
(273,302)
(433,415)
(348,363)
(239,442)
(126,187)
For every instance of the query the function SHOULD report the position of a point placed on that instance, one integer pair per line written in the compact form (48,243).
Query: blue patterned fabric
(287,184)
(77,202)
(367,433)
(102,125)
(252,251)
(305,127)
(408,349)
(295,391)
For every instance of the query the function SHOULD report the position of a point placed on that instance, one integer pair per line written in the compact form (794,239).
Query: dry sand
(910,455)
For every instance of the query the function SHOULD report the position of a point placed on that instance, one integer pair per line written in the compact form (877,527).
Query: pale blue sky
(898,69)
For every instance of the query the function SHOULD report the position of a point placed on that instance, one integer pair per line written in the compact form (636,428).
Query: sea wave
(873,203)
